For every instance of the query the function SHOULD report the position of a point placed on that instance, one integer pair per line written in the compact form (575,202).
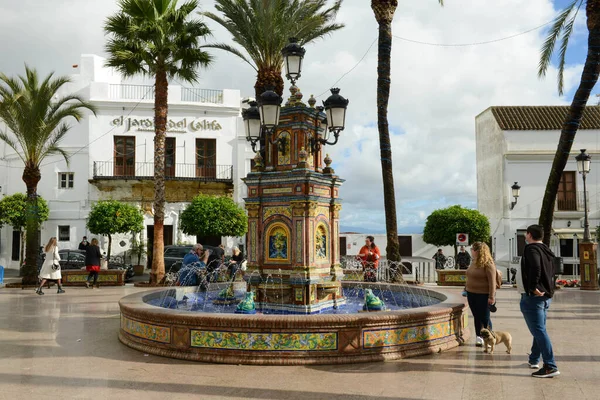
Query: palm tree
(562,28)
(384,14)
(155,38)
(261,28)
(35,118)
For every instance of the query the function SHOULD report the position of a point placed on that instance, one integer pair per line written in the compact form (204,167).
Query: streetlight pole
(587,249)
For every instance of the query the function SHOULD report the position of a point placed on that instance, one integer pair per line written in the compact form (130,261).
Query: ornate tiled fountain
(293,281)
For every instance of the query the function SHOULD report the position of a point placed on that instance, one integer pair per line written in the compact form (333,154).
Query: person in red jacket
(369,256)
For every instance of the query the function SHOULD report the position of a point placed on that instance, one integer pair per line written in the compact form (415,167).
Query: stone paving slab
(66,347)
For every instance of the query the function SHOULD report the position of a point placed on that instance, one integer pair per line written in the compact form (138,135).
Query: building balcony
(110,170)
(176,94)
(573,202)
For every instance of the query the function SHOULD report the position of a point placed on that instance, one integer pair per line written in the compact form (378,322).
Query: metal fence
(415,269)
(112,170)
(197,95)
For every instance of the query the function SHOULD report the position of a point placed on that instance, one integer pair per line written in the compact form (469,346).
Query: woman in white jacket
(51,267)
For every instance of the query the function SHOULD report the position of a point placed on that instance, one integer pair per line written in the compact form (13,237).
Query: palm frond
(558,25)
(566,35)
(230,49)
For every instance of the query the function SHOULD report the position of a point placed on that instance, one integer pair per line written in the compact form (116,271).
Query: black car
(174,255)
(75,259)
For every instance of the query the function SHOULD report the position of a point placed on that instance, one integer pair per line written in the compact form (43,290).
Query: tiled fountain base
(293,339)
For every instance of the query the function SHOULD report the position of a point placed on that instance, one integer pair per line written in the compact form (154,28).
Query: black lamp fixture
(268,108)
(335,110)
(584,161)
(516,191)
(293,55)
(251,117)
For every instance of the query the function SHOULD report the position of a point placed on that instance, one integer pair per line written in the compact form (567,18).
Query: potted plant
(137,251)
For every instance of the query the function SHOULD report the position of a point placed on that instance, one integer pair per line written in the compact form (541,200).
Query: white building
(112,157)
(518,144)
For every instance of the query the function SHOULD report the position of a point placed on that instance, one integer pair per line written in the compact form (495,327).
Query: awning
(571,233)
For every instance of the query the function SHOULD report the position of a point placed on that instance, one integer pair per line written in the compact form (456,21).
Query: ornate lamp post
(293,55)
(583,167)
(587,249)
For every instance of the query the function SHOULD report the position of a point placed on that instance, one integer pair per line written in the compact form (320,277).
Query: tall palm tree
(36,117)
(562,28)
(261,28)
(384,14)
(156,38)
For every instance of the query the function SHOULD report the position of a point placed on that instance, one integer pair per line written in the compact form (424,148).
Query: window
(169,156)
(124,156)
(206,158)
(65,180)
(566,199)
(64,233)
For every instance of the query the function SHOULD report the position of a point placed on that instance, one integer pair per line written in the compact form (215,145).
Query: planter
(451,277)
(138,270)
(111,277)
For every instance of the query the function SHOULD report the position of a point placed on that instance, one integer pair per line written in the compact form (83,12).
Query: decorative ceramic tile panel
(299,241)
(81,278)
(142,330)
(455,278)
(250,341)
(277,190)
(404,336)
(253,243)
(281,210)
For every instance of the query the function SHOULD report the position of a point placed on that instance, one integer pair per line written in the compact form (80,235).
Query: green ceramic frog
(372,302)
(247,305)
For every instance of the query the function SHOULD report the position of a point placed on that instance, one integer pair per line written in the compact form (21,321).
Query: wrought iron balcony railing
(114,170)
(572,201)
(146,92)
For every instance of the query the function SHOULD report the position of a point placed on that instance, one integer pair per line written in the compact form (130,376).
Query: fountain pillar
(293,209)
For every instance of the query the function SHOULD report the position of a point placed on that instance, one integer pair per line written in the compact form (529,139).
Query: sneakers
(60,290)
(479,341)
(546,372)
(87,285)
(534,366)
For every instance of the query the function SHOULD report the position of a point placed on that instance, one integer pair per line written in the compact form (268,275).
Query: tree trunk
(22,255)
(384,13)
(268,78)
(589,77)
(161,107)
(31,177)
(109,248)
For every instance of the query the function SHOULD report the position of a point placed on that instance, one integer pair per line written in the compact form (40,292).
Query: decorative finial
(328,170)
(302,157)
(258,162)
(312,101)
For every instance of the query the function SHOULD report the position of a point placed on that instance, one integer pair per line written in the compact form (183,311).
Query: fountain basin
(293,339)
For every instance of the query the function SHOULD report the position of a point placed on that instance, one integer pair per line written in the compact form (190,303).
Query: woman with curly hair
(481,287)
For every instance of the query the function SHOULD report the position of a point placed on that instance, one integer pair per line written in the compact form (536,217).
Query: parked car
(75,259)
(174,255)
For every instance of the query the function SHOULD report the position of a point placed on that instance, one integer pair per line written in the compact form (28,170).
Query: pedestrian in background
(51,267)
(93,259)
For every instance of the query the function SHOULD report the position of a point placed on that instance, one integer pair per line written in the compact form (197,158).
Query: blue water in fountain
(203,301)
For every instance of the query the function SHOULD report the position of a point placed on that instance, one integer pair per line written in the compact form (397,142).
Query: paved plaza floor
(66,347)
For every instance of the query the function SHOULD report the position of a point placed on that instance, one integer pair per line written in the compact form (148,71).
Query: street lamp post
(583,167)
(587,249)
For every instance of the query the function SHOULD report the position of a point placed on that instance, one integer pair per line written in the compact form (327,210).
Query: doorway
(167,239)
(170,156)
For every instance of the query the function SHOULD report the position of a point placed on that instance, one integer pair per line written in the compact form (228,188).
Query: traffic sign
(462,239)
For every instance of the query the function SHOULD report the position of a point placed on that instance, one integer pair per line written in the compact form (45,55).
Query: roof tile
(541,118)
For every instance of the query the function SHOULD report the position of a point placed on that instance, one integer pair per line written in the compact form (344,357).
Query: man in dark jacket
(463,259)
(537,271)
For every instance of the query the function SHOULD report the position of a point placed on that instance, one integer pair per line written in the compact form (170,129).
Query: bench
(78,277)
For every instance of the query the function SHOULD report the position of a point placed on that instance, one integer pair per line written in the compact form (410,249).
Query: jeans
(93,274)
(478,303)
(534,309)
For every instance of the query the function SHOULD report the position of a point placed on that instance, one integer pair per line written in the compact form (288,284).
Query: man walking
(463,259)
(537,273)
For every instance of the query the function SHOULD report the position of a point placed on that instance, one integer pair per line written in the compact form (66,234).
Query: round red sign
(462,237)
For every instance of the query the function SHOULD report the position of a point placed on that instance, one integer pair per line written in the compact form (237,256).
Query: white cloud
(436,91)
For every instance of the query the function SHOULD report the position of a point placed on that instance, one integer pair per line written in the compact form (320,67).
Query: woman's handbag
(55,263)
(244,265)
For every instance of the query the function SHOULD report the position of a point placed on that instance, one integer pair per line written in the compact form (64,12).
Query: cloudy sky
(436,91)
